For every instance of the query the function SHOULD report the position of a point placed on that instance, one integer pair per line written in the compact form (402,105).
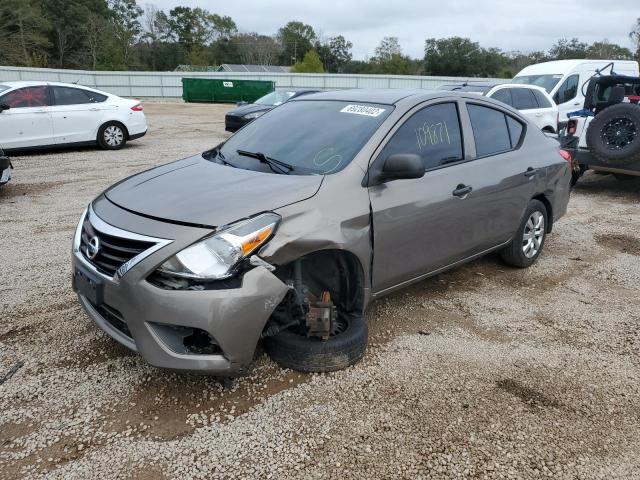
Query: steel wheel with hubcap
(112,136)
(528,241)
(533,234)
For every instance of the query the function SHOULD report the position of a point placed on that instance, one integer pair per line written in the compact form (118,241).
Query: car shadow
(595,184)
(33,152)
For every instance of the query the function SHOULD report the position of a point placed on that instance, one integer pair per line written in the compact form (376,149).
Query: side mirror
(243,102)
(402,166)
(4,106)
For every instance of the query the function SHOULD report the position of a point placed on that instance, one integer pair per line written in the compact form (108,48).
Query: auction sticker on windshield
(363,110)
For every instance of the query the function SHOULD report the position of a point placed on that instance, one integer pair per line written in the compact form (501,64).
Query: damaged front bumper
(157,322)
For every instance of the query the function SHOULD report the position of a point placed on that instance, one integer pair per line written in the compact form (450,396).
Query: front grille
(113,252)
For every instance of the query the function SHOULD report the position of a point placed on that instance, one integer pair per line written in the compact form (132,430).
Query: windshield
(275,98)
(315,137)
(479,89)
(548,82)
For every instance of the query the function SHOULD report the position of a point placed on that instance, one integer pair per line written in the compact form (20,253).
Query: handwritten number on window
(432,134)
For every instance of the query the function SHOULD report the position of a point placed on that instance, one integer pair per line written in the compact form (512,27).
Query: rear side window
(27,97)
(541,99)
(523,99)
(493,131)
(433,133)
(567,90)
(75,96)
(503,96)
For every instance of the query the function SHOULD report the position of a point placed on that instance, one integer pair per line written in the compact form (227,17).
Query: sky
(510,25)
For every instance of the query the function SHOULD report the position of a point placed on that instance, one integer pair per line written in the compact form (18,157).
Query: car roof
(33,83)
(385,96)
(471,83)
(292,89)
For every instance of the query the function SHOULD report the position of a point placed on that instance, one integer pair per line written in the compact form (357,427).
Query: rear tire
(528,242)
(112,136)
(310,354)
(613,136)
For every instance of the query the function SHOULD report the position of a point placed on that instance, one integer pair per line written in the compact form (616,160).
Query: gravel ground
(483,372)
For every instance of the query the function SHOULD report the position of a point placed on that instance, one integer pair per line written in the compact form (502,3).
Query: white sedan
(49,114)
(532,101)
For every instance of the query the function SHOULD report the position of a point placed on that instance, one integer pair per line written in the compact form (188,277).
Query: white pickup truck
(605,134)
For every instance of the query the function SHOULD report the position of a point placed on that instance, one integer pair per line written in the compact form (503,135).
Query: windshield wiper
(276,166)
(215,153)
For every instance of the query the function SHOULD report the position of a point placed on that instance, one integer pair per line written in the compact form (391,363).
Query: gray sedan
(289,229)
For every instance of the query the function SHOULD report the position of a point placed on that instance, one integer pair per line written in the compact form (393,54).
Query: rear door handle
(94,109)
(530,172)
(462,191)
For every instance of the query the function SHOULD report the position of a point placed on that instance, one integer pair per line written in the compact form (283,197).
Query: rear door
(76,114)
(27,123)
(525,101)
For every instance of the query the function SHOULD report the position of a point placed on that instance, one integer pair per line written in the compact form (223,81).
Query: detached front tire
(293,349)
(528,242)
(112,136)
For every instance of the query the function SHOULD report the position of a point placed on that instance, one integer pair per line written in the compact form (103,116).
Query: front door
(567,96)
(27,122)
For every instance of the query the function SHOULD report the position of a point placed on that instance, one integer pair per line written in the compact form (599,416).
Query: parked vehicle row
(246,112)
(49,114)
(533,102)
(286,231)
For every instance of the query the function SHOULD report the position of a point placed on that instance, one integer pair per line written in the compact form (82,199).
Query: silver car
(289,229)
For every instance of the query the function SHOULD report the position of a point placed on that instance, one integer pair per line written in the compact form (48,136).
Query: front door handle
(462,191)
(530,172)
(94,109)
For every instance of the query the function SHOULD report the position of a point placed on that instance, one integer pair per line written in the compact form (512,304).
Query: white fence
(169,84)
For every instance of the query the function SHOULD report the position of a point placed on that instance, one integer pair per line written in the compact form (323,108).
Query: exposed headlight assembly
(216,257)
(254,115)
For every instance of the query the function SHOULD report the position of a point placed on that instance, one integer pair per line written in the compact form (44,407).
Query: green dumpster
(210,90)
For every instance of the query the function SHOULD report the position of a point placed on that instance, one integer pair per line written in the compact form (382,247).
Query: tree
(95,32)
(335,53)
(389,59)
(296,39)
(256,49)
(126,26)
(565,49)
(454,56)
(310,64)
(22,33)
(634,35)
(606,50)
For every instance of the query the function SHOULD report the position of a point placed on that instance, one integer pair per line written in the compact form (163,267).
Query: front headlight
(215,257)
(254,115)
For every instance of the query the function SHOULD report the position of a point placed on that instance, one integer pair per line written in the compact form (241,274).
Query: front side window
(433,133)
(567,90)
(315,137)
(523,99)
(26,97)
(75,96)
(503,96)
(490,130)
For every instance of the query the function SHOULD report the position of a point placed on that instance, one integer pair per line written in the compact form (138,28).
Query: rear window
(523,99)
(4,87)
(316,137)
(493,131)
(541,99)
(75,96)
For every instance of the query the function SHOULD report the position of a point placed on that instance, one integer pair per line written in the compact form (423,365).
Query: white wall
(169,84)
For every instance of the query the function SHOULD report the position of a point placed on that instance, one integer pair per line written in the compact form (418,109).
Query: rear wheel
(527,244)
(112,136)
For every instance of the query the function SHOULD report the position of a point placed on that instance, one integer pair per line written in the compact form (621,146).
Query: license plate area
(89,285)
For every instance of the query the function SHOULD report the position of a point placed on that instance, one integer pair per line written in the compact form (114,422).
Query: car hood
(196,191)
(250,108)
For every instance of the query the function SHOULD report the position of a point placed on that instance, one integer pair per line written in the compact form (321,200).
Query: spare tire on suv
(613,136)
